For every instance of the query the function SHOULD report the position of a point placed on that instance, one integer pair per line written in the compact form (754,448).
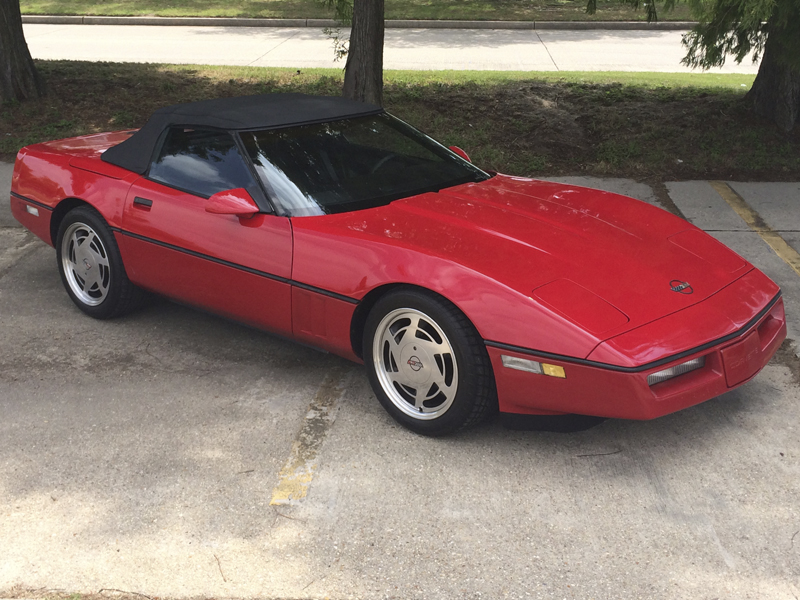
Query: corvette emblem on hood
(682,287)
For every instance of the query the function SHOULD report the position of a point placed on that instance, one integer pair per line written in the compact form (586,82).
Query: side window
(200,161)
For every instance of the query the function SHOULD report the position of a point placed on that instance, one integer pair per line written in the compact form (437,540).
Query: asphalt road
(143,455)
(436,49)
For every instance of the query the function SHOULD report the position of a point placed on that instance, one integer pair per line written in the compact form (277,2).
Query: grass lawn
(514,10)
(647,126)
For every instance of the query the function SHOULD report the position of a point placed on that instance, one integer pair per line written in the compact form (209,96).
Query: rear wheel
(91,266)
(427,364)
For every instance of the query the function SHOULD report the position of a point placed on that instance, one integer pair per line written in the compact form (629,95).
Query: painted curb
(617,25)
(391,24)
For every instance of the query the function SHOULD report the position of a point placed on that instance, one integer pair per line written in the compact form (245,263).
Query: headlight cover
(689,365)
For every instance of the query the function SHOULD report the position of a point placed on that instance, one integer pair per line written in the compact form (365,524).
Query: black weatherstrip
(34,202)
(645,367)
(226,263)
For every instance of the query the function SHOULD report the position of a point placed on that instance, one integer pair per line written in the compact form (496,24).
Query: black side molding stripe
(219,261)
(226,263)
(34,202)
(311,288)
(645,367)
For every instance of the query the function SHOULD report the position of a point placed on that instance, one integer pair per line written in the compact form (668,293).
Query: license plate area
(742,360)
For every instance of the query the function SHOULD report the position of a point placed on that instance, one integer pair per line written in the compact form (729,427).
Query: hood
(607,262)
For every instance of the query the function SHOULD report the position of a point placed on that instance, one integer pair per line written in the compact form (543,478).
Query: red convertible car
(463,291)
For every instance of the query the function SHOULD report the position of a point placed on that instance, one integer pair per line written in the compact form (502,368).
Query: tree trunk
(363,73)
(775,94)
(19,79)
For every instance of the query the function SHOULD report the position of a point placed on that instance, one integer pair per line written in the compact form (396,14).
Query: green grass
(418,79)
(514,10)
(739,82)
(647,126)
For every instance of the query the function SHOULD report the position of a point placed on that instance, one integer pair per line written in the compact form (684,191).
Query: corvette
(464,292)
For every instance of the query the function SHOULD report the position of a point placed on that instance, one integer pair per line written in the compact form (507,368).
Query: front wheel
(91,268)
(427,364)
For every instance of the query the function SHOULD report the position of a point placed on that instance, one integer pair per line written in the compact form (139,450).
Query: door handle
(142,202)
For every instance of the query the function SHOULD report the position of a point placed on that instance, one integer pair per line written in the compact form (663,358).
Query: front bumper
(591,388)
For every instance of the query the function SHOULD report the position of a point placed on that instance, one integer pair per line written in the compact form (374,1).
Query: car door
(234,266)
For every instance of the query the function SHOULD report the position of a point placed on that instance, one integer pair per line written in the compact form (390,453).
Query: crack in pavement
(9,257)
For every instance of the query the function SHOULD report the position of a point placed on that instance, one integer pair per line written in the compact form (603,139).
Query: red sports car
(463,291)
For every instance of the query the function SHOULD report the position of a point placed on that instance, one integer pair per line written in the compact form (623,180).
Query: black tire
(91,268)
(427,364)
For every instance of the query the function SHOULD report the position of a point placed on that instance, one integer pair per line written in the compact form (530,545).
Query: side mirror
(461,153)
(232,202)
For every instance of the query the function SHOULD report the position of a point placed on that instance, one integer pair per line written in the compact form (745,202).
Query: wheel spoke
(79,281)
(75,244)
(99,259)
(102,282)
(434,348)
(87,241)
(79,242)
(90,281)
(394,345)
(425,333)
(419,398)
(71,263)
(439,380)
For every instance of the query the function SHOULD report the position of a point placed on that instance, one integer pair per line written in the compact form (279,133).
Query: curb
(391,24)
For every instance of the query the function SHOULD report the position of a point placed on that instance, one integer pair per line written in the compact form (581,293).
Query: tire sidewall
(461,409)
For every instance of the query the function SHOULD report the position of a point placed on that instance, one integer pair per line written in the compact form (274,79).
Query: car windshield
(352,164)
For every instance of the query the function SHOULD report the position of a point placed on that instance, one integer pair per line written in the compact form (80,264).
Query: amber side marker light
(689,365)
(531,366)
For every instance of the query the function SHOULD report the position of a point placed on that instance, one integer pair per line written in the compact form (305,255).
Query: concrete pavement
(435,49)
(141,454)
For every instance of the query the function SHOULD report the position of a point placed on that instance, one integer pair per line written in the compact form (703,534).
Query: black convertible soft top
(263,111)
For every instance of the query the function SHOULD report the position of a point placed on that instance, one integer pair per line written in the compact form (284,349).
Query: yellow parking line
(296,475)
(788,254)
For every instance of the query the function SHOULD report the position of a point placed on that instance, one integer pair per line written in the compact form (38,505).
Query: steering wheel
(383,161)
